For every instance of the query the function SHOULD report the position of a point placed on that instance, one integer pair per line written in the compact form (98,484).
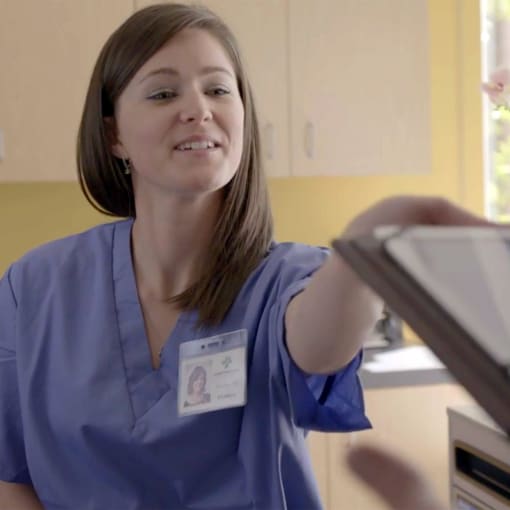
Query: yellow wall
(314,210)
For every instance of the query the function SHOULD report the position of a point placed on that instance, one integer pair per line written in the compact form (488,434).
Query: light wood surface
(341,88)
(47,51)
(360,82)
(411,421)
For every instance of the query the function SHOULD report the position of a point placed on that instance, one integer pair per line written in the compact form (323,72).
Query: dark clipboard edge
(368,258)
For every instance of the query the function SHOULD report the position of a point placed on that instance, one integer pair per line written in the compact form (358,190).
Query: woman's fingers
(396,481)
(444,212)
(413,210)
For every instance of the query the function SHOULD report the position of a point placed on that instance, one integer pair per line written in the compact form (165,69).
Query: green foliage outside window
(498,9)
(499,180)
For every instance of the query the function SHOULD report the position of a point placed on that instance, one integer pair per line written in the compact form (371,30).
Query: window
(495,39)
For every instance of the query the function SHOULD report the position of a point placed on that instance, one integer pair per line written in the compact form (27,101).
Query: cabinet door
(260,27)
(410,421)
(359,77)
(319,453)
(47,51)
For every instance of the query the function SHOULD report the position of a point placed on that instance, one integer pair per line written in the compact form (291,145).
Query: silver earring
(127,166)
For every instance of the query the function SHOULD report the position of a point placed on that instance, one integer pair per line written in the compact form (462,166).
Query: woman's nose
(195,109)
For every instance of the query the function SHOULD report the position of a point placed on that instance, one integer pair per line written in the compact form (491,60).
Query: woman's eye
(162,95)
(219,91)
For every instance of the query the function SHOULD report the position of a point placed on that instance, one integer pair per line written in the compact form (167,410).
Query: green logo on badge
(226,362)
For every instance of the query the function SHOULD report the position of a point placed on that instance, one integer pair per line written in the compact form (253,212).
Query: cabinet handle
(269,140)
(2,146)
(309,140)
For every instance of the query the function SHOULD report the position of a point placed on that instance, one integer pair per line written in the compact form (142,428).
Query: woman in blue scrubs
(101,331)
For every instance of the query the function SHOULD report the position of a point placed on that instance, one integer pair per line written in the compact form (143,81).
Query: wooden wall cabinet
(359,87)
(341,87)
(47,51)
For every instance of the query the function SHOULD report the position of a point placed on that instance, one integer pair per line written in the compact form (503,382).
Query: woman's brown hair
(244,230)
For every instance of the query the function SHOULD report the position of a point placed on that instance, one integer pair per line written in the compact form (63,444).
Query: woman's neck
(170,242)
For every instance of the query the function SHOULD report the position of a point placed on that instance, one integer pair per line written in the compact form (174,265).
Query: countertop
(395,375)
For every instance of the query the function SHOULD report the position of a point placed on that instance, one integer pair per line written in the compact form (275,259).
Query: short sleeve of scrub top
(319,402)
(13,465)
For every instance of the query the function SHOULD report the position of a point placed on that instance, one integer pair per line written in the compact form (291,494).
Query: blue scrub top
(86,419)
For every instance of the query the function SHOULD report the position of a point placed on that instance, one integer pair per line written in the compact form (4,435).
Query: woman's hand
(397,482)
(327,323)
(412,210)
(18,496)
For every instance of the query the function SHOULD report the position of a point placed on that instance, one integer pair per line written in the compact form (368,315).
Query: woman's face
(180,119)
(199,384)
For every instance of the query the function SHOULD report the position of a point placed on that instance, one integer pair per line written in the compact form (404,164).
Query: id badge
(212,373)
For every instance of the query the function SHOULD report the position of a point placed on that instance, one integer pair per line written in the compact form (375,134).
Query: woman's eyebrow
(173,72)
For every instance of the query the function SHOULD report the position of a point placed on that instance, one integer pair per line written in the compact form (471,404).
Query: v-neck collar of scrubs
(146,385)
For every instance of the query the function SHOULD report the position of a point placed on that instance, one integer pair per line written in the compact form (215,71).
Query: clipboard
(451,285)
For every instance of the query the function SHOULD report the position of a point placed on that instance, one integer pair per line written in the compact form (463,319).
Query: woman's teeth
(192,146)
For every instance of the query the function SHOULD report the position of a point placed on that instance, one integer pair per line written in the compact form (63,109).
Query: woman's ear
(114,144)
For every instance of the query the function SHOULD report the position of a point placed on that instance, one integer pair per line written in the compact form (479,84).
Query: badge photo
(212,373)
